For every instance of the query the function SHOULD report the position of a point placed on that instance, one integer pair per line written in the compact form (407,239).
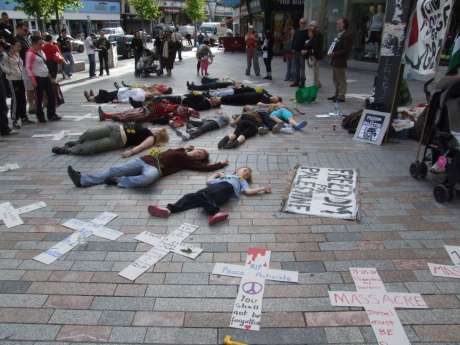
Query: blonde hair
(161,137)
(249,179)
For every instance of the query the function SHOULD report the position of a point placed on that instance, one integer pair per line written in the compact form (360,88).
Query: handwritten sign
(161,247)
(84,230)
(372,127)
(386,326)
(364,299)
(10,215)
(447,271)
(323,192)
(247,310)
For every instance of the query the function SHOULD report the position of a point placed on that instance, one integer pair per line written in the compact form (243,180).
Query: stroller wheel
(418,170)
(442,194)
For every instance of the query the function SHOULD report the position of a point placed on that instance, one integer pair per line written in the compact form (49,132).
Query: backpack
(351,121)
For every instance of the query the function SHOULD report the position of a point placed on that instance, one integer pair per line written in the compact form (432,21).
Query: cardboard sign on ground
(372,127)
(247,310)
(10,216)
(448,271)
(161,247)
(323,192)
(84,230)
(8,167)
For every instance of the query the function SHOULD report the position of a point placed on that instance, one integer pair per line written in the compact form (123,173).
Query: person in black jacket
(298,43)
(6,28)
(137,45)
(313,52)
(103,46)
(267,54)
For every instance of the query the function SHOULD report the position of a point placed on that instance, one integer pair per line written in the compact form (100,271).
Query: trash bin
(113,55)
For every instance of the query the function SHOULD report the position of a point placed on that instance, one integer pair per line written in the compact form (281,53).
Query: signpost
(247,310)
(161,247)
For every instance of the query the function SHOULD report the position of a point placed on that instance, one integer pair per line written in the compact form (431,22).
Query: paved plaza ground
(80,298)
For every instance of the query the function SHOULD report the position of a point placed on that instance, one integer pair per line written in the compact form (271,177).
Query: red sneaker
(158,211)
(218,217)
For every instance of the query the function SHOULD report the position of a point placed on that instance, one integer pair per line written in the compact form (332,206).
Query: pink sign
(446,271)
(364,299)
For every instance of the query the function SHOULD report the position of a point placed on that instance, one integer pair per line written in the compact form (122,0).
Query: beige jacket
(12,67)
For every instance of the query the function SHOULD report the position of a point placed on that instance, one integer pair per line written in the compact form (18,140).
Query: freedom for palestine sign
(323,192)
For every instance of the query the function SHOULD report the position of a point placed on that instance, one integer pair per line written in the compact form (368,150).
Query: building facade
(92,15)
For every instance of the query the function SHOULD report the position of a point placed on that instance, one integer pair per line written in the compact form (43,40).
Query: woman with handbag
(54,58)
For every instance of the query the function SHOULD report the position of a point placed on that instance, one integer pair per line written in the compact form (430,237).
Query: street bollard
(228,341)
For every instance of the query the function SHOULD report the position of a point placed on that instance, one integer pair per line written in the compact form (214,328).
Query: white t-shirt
(89,45)
(124,93)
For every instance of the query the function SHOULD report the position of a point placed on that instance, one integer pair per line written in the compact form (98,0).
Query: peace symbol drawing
(252,288)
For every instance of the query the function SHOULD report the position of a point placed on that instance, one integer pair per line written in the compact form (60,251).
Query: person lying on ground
(198,127)
(235,90)
(197,101)
(144,171)
(285,116)
(159,113)
(209,84)
(200,101)
(247,126)
(113,137)
(219,190)
(123,94)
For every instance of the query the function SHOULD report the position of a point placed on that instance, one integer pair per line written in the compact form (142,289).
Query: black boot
(223,142)
(75,176)
(135,104)
(232,144)
(60,150)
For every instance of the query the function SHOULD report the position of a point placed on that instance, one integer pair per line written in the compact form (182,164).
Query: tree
(58,7)
(194,9)
(39,9)
(146,9)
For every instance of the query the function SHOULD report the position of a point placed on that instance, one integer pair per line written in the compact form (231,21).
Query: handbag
(59,96)
(306,94)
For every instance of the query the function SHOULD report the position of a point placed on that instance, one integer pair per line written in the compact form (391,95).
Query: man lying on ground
(220,189)
(160,113)
(198,127)
(210,84)
(144,171)
(197,101)
(113,137)
(123,94)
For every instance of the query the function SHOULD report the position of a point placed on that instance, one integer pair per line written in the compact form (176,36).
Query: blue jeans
(132,174)
(92,65)
(289,70)
(68,68)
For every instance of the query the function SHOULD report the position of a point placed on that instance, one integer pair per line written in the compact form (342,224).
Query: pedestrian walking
(188,37)
(103,46)
(200,38)
(176,37)
(39,74)
(22,36)
(339,52)
(288,55)
(13,67)
(267,54)
(313,53)
(137,45)
(298,42)
(65,44)
(252,51)
(90,49)
(6,29)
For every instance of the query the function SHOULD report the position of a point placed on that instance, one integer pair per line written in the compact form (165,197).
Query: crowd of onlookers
(303,49)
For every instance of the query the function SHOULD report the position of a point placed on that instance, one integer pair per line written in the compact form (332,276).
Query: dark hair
(63,30)
(21,25)
(35,39)
(280,99)
(4,44)
(4,14)
(169,91)
(206,41)
(346,23)
(48,38)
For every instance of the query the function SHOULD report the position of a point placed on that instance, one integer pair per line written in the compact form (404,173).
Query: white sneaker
(287,130)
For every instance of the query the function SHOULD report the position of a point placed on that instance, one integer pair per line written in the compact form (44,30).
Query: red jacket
(53,53)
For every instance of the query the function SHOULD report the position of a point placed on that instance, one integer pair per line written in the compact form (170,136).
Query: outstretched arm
(255,191)
(147,143)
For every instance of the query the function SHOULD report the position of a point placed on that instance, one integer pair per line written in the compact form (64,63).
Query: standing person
(65,44)
(176,37)
(168,53)
(137,45)
(204,56)
(91,52)
(13,67)
(39,74)
(4,127)
(53,55)
(252,51)
(103,46)
(298,42)
(339,52)
(313,53)
(200,38)
(22,33)
(6,29)
(288,54)
(267,51)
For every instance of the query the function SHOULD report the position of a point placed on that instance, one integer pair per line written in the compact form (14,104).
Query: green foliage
(44,9)
(146,9)
(194,9)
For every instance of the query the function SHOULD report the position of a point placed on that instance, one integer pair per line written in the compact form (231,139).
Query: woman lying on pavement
(210,84)
(197,101)
(220,189)
(160,113)
(198,127)
(281,114)
(113,137)
(144,171)
(123,94)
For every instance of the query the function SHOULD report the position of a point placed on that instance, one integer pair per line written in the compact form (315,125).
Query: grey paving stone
(340,335)
(14,286)
(211,291)
(28,332)
(22,300)
(75,317)
(123,303)
(128,334)
(275,336)
(116,318)
(187,278)
(304,266)
(157,335)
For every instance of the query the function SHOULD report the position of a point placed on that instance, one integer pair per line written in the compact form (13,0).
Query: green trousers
(100,139)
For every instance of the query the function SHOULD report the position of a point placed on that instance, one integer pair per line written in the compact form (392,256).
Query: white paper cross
(84,230)
(161,247)
(80,118)
(9,166)
(247,310)
(57,136)
(10,215)
(379,305)
(448,271)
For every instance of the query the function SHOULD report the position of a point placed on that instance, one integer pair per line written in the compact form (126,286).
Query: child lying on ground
(220,189)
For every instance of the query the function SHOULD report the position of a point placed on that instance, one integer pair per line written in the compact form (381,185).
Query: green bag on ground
(306,94)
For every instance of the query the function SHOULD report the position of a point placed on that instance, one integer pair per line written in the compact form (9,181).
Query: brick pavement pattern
(80,298)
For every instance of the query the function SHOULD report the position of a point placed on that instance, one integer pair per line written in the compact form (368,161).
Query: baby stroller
(441,140)
(146,64)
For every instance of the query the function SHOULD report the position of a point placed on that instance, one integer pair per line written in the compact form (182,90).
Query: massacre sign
(323,192)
